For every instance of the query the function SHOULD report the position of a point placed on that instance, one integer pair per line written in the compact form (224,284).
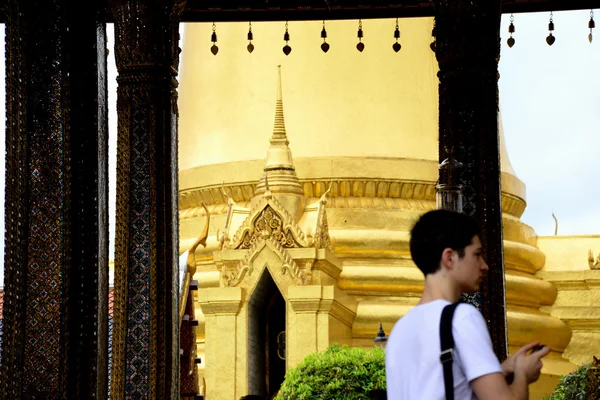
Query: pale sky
(550,104)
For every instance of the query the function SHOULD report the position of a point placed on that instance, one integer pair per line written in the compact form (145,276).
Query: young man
(445,246)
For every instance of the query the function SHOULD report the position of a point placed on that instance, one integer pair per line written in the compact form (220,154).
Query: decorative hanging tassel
(286,36)
(324,45)
(397,46)
(360,46)
(591,25)
(250,46)
(511,30)
(213,38)
(550,39)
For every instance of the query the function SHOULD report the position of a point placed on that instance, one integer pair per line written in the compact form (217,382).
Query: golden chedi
(311,250)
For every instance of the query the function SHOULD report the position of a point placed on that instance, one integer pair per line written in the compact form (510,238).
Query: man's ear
(447,255)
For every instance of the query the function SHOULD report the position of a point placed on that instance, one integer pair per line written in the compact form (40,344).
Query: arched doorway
(266,338)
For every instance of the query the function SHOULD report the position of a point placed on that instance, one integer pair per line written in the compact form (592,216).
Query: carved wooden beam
(304,10)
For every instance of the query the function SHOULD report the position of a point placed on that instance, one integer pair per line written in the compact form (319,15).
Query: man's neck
(438,287)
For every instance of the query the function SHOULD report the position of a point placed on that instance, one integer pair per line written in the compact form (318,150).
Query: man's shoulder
(467,310)
(467,316)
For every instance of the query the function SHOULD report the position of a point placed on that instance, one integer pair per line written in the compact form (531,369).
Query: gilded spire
(279,155)
(279,164)
(279,134)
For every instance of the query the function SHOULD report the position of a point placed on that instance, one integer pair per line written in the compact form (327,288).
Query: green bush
(571,386)
(340,372)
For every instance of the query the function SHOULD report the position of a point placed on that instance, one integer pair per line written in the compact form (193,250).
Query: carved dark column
(467,49)
(56,261)
(146,321)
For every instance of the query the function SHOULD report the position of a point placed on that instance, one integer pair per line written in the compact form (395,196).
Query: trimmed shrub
(339,372)
(571,386)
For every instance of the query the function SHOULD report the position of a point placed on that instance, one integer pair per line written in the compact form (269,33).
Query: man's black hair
(438,230)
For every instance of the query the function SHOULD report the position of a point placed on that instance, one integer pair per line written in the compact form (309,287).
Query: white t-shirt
(412,362)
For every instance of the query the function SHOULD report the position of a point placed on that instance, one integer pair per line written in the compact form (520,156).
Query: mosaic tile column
(467,46)
(55,330)
(146,318)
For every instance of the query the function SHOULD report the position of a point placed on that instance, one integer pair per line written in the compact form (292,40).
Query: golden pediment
(270,220)
(300,276)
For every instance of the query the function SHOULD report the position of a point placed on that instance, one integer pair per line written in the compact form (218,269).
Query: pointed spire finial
(279,133)
(279,163)
(279,91)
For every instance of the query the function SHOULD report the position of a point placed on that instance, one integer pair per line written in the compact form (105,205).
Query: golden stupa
(308,250)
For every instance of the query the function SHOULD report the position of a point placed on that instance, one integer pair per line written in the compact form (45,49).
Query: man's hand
(530,364)
(526,369)
(508,366)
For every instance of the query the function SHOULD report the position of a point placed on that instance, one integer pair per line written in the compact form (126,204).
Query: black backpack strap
(447,342)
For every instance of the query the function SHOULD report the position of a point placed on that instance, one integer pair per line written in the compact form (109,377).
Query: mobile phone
(537,348)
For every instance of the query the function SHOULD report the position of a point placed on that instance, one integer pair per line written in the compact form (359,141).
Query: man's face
(470,269)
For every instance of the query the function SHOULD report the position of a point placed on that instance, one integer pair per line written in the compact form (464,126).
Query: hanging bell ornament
(360,46)
(511,30)
(214,48)
(397,46)
(591,25)
(286,37)
(550,39)
(432,44)
(324,45)
(250,46)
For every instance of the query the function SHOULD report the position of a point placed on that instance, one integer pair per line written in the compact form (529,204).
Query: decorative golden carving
(190,264)
(222,237)
(233,276)
(269,220)
(268,224)
(332,202)
(591,263)
(191,258)
(190,200)
(555,224)
(321,239)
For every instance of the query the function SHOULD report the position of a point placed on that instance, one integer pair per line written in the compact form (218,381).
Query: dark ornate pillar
(146,321)
(56,261)
(467,49)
